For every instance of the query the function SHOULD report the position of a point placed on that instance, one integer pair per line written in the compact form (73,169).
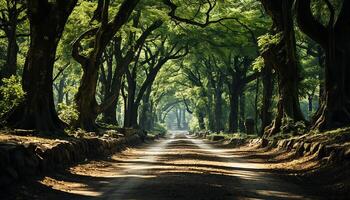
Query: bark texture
(37,111)
(283,59)
(334,111)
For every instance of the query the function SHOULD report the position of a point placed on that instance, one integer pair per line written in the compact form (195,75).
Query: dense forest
(219,66)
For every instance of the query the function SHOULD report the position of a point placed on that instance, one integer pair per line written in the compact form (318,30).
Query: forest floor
(177,167)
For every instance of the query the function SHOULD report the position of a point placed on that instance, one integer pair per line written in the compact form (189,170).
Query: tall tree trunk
(218,105)
(60,90)
(209,109)
(284,61)
(179,123)
(321,63)
(146,112)
(266,114)
(233,116)
(201,120)
(257,88)
(241,112)
(10,67)
(334,111)
(10,21)
(67,98)
(184,122)
(85,98)
(178,120)
(110,113)
(132,108)
(153,115)
(37,111)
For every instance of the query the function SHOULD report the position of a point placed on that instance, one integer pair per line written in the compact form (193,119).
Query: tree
(279,49)
(335,107)
(37,111)
(11,15)
(164,52)
(86,97)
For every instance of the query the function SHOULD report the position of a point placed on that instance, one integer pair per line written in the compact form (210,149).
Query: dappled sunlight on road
(177,167)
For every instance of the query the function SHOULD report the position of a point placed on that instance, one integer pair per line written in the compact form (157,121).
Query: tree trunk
(110,114)
(10,30)
(242,112)
(321,63)
(201,121)
(68,102)
(218,105)
(86,97)
(10,67)
(60,90)
(37,111)
(256,113)
(310,106)
(153,115)
(266,114)
(132,108)
(178,118)
(184,122)
(146,112)
(209,109)
(283,59)
(334,111)
(233,116)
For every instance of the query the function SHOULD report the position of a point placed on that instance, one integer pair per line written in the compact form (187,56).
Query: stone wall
(328,148)
(326,151)
(21,160)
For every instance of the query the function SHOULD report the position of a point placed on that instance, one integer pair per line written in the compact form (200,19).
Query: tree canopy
(260,67)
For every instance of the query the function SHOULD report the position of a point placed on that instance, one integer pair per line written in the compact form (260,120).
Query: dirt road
(178,167)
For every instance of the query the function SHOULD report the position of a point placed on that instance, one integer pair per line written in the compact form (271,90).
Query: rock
(21,160)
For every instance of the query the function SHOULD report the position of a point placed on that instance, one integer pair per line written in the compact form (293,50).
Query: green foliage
(160,129)
(191,79)
(268,40)
(258,64)
(194,125)
(68,113)
(11,93)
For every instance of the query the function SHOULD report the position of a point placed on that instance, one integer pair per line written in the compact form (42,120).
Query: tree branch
(77,46)
(60,71)
(308,24)
(173,7)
